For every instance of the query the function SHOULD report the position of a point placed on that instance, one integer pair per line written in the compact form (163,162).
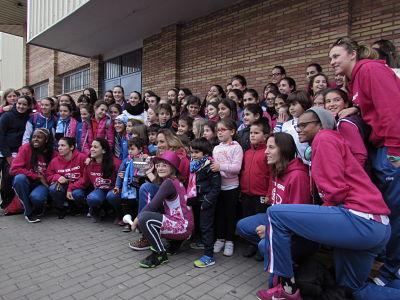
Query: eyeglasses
(274,75)
(303,125)
(222,129)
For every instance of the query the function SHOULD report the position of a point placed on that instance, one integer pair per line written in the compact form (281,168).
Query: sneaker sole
(138,249)
(204,266)
(227,255)
(29,221)
(152,266)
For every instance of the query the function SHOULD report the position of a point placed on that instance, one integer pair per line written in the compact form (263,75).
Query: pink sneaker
(277,293)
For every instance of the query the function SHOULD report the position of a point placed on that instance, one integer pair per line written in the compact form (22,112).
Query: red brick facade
(248,38)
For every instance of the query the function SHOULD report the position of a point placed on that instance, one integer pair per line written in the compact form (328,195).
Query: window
(76,81)
(123,65)
(41,90)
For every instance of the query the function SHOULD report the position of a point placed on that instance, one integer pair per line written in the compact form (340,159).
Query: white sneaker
(219,245)
(228,249)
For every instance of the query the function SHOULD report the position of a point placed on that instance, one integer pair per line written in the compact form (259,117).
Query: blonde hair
(198,127)
(140,131)
(173,141)
(363,51)
(5,94)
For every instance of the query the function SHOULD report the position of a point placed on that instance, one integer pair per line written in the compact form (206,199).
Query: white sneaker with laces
(228,249)
(219,245)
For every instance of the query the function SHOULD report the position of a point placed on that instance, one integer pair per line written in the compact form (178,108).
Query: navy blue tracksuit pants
(356,242)
(389,184)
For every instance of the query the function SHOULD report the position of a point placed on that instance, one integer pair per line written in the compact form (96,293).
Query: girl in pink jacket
(228,156)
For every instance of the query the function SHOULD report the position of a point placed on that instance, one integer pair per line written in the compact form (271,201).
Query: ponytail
(363,51)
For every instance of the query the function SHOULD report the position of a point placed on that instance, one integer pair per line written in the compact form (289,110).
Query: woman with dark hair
(237,96)
(389,51)
(67,99)
(134,108)
(64,169)
(287,85)
(239,82)
(375,92)
(83,99)
(352,206)
(172,95)
(91,94)
(119,95)
(290,184)
(29,167)
(269,104)
(98,178)
(317,83)
(352,128)
(183,92)
(46,118)
(227,109)
(108,97)
(216,91)
(12,128)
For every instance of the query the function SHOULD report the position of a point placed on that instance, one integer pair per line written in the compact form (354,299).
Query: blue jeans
(58,196)
(146,193)
(356,241)
(389,184)
(246,228)
(33,195)
(94,199)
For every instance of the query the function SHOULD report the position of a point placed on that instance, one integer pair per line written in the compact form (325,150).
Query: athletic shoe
(204,261)
(140,244)
(250,251)
(219,245)
(197,245)
(228,249)
(277,293)
(153,260)
(32,219)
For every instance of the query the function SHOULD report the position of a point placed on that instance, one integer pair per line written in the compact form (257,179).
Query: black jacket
(208,186)
(12,128)
(243,138)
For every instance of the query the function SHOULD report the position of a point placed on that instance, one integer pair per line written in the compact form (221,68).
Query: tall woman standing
(12,128)
(375,91)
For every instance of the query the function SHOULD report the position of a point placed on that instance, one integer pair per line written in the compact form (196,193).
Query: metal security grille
(76,81)
(41,90)
(128,63)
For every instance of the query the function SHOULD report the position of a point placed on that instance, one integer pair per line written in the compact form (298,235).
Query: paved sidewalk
(77,259)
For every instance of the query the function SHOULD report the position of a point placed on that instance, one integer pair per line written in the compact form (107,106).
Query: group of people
(289,170)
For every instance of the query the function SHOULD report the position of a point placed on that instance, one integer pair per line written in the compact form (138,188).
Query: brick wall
(160,60)
(251,37)
(373,20)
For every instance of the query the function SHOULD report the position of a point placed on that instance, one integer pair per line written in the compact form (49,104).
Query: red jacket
(293,187)
(184,165)
(340,179)
(21,164)
(375,89)
(255,175)
(93,176)
(71,170)
(104,129)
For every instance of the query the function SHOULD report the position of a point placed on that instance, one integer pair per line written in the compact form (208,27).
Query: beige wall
(11,61)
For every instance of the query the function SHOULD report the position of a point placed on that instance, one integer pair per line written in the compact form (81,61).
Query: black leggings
(150,225)
(225,217)
(7,192)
